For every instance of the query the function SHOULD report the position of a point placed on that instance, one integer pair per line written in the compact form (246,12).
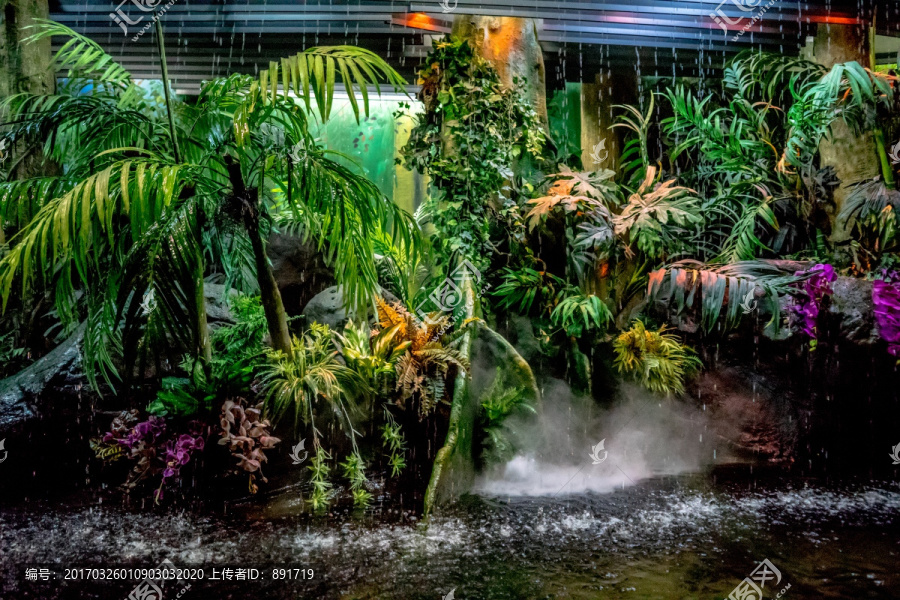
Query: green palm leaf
(80,56)
(316,70)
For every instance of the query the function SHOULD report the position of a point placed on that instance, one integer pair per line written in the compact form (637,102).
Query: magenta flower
(805,308)
(886,299)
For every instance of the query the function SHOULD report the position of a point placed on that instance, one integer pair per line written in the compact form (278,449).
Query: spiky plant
(374,357)
(355,471)
(313,373)
(394,442)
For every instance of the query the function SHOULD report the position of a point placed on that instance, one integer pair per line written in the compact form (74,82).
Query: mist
(644,436)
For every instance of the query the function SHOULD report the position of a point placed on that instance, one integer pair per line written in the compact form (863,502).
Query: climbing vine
(472,134)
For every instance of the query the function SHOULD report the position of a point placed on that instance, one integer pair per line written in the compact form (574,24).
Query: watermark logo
(595,453)
(449,596)
(296,450)
(446,7)
(747,6)
(298,152)
(148,303)
(3,441)
(895,456)
(449,294)
(151,589)
(145,7)
(724,20)
(749,303)
(894,153)
(751,588)
(599,153)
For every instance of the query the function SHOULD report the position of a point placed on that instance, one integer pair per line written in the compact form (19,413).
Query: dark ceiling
(208,38)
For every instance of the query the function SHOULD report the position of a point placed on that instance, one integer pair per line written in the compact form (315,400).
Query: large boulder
(327,307)
(46,416)
(217,296)
(299,270)
(851,307)
(18,393)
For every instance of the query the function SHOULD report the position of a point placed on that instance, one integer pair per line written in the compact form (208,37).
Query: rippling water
(667,537)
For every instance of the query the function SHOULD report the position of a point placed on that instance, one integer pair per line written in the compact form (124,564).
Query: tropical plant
(886,303)
(354,471)
(10,356)
(690,284)
(244,339)
(524,288)
(311,374)
(579,313)
(373,357)
(141,199)
(422,370)
(471,133)
(501,401)
(321,494)
(247,435)
(805,308)
(655,359)
(393,440)
(658,217)
(850,92)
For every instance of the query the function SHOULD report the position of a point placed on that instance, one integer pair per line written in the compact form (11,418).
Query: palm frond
(71,228)
(79,56)
(848,91)
(316,70)
(742,242)
(162,279)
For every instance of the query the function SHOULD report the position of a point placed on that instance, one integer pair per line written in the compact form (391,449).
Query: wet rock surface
(20,394)
(299,270)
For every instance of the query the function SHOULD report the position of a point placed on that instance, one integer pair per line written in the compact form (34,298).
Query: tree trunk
(854,157)
(270,295)
(511,45)
(25,68)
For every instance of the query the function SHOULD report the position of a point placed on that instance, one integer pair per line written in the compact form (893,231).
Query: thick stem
(270,295)
(204,347)
(460,394)
(161,44)
(887,169)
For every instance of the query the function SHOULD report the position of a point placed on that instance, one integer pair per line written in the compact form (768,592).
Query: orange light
(421,21)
